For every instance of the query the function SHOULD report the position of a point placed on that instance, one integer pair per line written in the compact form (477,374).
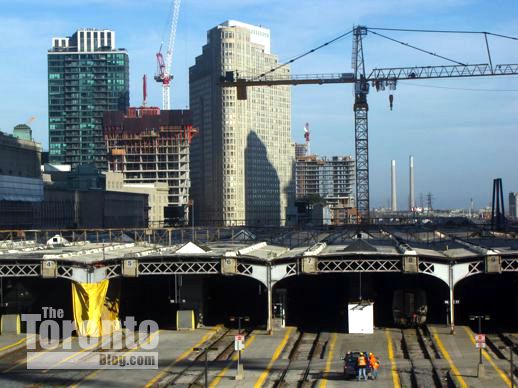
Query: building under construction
(148,145)
(330,179)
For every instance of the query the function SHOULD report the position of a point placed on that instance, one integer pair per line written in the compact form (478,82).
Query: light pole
(205,350)
(479,318)
(239,372)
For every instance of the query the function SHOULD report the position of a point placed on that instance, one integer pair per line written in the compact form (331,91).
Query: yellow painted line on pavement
(184,355)
(486,355)
(220,375)
(393,365)
(7,347)
(88,377)
(27,359)
(332,344)
(75,354)
(447,357)
(262,378)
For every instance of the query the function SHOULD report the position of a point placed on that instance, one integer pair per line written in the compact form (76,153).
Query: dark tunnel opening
(234,296)
(495,295)
(320,302)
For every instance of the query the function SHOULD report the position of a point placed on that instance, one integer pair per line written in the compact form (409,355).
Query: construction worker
(374,365)
(362,367)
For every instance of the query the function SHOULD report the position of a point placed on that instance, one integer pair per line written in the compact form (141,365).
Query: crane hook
(391,101)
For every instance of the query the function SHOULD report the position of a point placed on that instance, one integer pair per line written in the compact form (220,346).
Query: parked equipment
(409,307)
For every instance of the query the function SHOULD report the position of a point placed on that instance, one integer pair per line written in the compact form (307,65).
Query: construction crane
(163,74)
(379,78)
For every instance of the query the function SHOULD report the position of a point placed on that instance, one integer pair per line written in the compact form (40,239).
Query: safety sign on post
(239,342)
(480,341)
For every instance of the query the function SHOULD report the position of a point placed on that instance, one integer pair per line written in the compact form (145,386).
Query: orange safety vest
(373,362)
(361,361)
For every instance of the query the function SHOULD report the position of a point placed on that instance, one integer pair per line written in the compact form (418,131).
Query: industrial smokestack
(393,198)
(411,192)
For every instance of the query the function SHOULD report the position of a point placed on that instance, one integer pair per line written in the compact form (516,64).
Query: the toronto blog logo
(56,343)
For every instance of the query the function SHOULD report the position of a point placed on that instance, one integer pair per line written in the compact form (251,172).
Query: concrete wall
(77,209)
(157,193)
(19,158)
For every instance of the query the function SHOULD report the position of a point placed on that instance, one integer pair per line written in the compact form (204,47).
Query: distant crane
(379,78)
(163,74)
(306,137)
(144,91)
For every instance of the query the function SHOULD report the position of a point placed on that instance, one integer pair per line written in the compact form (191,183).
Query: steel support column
(452,299)
(269,287)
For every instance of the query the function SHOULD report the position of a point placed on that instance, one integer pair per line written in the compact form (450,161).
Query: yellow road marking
(184,355)
(332,344)
(448,358)
(94,346)
(486,355)
(220,375)
(15,344)
(27,359)
(88,377)
(262,378)
(390,348)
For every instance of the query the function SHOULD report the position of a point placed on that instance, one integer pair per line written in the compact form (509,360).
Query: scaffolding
(149,146)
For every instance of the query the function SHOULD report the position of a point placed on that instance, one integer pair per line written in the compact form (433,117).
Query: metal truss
(377,265)
(510,264)
(65,272)
(245,269)
(291,270)
(401,73)
(475,268)
(19,270)
(171,268)
(425,267)
(113,271)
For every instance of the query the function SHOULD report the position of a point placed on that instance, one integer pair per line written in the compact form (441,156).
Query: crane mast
(361,124)
(379,78)
(163,74)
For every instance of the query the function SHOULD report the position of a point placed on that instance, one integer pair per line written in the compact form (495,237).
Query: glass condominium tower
(87,76)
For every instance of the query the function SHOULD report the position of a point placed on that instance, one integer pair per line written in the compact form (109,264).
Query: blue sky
(461,139)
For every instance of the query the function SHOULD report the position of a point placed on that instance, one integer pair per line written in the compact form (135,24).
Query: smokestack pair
(411,193)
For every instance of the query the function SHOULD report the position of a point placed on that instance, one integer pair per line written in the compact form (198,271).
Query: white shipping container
(361,317)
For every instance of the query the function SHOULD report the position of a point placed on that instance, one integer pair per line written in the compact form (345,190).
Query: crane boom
(381,74)
(172,36)
(163,74)
(379,78)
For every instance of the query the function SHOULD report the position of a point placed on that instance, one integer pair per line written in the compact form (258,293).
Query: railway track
(193,375)
(419,347)
(501,345)
(297,371)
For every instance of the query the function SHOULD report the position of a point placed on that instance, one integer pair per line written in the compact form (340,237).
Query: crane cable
(304,54)
(443,32)
(418,49)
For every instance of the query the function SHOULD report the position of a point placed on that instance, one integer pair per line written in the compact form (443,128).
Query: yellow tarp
(96,308)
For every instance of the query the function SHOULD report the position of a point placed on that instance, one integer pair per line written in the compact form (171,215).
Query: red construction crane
(163,73)
(379,78)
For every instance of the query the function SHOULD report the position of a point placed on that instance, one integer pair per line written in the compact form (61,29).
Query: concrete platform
(172,346)
(11,342)
(173,350)
(462,357)
(263,359)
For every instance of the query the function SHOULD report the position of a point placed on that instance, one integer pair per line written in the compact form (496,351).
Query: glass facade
(82,86)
